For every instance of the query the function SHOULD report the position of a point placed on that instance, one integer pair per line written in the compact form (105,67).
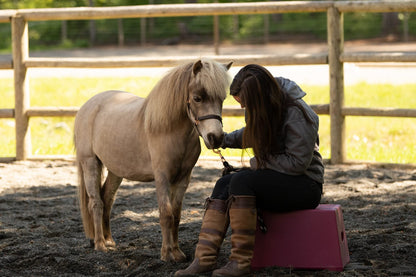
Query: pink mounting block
(309,239)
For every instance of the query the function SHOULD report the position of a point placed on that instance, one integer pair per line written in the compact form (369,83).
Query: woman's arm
(233,139)
(300,140)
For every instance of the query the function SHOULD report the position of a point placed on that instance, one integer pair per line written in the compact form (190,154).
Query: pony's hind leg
(108,195)
(92,171)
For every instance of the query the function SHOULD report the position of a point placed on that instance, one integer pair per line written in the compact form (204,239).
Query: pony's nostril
(215,141)
(211,139)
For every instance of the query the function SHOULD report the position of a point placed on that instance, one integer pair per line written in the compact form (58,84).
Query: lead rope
(227,167)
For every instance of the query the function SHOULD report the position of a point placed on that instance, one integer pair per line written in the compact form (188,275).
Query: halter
(196,120)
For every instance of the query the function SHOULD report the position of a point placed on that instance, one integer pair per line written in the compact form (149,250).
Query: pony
(148,139)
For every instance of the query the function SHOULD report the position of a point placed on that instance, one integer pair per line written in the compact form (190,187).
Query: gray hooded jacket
(301,146)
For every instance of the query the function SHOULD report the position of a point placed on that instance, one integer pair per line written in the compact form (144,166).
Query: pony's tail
(87,219)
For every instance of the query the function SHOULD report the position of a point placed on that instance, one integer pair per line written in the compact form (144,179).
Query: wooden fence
(335,58)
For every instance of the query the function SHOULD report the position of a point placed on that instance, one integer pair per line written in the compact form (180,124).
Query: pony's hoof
(174,256)
(100,246)
(110,243)
(181,258)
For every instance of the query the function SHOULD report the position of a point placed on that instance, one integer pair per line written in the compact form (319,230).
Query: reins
(227,170)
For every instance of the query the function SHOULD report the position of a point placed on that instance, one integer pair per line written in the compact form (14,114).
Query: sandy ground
(41,232)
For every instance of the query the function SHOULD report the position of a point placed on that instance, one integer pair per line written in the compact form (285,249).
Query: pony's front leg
(177,194)
(170,250)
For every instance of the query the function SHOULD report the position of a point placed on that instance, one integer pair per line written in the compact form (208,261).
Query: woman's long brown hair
(265,111)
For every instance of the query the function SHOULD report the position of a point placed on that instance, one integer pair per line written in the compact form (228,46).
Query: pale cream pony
(148,139)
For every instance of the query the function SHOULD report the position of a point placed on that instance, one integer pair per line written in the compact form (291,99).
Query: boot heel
(243,220)
(213,229)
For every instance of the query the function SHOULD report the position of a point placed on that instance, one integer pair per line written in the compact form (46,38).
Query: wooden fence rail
(335,58)
(227,111)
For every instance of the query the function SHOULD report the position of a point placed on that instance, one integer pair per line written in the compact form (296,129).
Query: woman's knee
(221,188)
(243,183)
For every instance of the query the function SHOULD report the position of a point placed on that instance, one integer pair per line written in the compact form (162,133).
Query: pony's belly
(132,169)
(141,177)
(124,160)
(133,174)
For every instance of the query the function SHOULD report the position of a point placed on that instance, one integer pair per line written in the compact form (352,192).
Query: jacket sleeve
(299,143)
(233,139)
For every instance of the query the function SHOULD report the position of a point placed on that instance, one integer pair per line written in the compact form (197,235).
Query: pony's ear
(197,67)
(228,65)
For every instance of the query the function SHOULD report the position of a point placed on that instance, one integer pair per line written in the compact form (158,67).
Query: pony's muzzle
(215,141)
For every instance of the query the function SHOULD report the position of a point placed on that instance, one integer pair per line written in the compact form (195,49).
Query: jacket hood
(290,88)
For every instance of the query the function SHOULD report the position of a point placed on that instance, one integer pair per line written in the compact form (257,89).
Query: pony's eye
(197,98)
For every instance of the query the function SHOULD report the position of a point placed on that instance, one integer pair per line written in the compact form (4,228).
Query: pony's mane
(167,100)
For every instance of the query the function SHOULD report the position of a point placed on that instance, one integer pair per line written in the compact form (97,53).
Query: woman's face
(238,99)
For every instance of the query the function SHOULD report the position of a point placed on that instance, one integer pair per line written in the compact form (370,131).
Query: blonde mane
(167,100)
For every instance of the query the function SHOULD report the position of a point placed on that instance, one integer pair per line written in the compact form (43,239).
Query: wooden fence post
(20,46)
(216,26)
(335,22)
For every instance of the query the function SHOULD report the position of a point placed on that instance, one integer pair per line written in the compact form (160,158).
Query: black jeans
(274,191)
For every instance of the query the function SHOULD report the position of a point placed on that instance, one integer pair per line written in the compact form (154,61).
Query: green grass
(375,139)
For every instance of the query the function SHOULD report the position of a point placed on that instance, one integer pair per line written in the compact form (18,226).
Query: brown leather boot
(243,219)
(213,229)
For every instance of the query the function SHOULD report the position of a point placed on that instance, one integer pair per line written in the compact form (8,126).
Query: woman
(285,174)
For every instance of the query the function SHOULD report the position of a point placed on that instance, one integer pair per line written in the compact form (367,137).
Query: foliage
(367,27)
(235,28)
